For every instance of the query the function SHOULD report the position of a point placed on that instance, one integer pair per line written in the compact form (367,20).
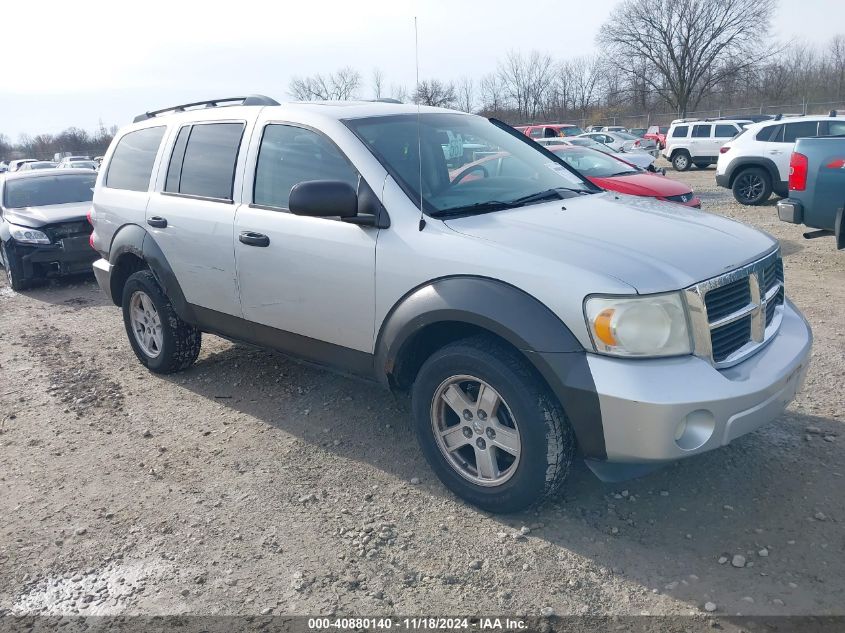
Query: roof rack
(251,100)
(832,113)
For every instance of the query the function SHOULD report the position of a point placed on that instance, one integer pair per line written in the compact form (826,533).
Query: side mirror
(323,199)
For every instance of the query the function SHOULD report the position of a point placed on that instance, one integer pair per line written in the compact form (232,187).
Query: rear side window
(680,131)
(290,155)
(725,131)
(770,133)
(207,161)
(131,164)
(701,131)
(794,131)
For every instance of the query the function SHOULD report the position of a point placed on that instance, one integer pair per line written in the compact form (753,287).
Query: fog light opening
(695,430)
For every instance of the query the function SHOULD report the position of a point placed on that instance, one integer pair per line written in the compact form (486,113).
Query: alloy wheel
(146,324)
(475,430)
(750,187)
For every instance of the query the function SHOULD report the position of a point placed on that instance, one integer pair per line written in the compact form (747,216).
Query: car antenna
(419,133)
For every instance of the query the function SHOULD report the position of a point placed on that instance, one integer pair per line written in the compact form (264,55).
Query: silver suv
(527,312)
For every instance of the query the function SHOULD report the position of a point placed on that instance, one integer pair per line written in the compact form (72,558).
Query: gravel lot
(252,484)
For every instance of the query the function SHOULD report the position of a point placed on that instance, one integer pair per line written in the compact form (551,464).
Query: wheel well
(126,265)
(418,348)
(678,150)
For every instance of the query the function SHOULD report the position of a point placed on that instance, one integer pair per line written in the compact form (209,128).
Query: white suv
(526,311)
(698,142)
(756,163)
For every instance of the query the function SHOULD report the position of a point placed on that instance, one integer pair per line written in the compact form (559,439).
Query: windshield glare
(47,190)
(592,163)
(467,162)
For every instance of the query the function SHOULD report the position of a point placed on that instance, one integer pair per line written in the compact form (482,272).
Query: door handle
(157,221)
(254,239)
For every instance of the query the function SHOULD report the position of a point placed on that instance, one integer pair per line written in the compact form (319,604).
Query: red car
(614,174)
(599,168)
(657,133)
(550,130)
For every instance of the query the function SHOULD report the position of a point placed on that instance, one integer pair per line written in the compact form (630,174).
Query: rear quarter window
(131,164)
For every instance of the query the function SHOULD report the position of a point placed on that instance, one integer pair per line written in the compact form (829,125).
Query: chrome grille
(734,314)
(727,299)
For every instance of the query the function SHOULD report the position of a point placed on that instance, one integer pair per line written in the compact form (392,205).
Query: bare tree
(466,94)
(340,85)
(433,92)
(836,57)
(399,92)
(585,75)
(690,45)
(492,94)
(526,80)
(378,83)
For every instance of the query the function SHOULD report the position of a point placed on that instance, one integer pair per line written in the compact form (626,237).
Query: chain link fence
(665,118)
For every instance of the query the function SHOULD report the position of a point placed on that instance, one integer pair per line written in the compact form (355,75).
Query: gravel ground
(251,484)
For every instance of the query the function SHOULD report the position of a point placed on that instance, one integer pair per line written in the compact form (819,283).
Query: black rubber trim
(135,240)
(753,161)
(327,355)
(518,318)
(839,228)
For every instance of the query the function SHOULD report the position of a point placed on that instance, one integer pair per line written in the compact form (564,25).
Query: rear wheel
(489,427)
(681,160)
(162,341)
(752,186)
(13,266)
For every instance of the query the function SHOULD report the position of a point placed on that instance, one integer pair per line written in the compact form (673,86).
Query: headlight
(644,326)
(28,236)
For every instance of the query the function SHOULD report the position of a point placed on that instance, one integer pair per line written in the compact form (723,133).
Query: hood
(643,184)
(35,217)
(651,245)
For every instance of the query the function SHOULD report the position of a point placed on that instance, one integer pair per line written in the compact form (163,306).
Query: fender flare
(135,240)
(754,161)
(515,316)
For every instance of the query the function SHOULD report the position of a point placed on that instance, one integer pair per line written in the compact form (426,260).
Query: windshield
(46,190)
(626,136)
(571,131)
(592,163)
(469,165)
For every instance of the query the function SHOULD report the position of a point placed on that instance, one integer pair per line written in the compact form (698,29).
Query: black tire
(13,266)
(752,186)
(547,442)
(180,341)
(702,165)
(681,160)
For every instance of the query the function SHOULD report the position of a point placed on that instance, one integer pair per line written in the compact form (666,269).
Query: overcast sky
(76,63)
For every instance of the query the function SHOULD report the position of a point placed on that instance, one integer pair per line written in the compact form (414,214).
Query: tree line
(45,146)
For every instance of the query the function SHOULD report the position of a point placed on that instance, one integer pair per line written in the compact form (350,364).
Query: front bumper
(791,211)
(68,256)
(665,409)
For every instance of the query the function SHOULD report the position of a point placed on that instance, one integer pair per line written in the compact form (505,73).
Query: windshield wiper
(497,205)
(471,209)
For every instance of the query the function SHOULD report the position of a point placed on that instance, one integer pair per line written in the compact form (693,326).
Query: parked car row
(68,162)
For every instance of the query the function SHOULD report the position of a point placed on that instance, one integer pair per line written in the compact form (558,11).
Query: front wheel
(681,161)
(162,341)
(13,266)
(489,427)
(752,186)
